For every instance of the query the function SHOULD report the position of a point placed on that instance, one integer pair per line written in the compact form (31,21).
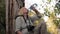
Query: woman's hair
(22,11)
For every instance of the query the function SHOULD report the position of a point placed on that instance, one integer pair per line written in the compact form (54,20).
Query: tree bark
(9,17)
(11,11)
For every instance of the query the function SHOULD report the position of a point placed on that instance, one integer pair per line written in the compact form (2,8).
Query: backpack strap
(18,16)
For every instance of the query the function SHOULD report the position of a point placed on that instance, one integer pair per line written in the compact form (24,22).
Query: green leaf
(49,1)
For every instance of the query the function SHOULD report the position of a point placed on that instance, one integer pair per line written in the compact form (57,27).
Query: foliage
(2,17)
(49,1)
(57,12)
(57,8)
(52,9)
(57,21)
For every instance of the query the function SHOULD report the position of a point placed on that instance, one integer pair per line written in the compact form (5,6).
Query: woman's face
(25,12)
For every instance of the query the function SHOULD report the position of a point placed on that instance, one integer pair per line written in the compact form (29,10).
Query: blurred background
(2,17)
(50,10)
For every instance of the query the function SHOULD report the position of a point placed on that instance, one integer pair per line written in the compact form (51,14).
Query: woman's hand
(19,32)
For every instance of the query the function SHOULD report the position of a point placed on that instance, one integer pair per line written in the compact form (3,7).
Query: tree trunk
(11,11)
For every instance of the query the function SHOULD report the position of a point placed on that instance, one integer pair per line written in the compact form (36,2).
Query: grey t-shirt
(20,23)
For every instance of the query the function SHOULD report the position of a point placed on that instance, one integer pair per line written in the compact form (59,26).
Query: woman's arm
(18,26)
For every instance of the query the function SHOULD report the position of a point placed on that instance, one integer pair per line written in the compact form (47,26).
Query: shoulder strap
(23,19)
(18,16)
(21,16)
